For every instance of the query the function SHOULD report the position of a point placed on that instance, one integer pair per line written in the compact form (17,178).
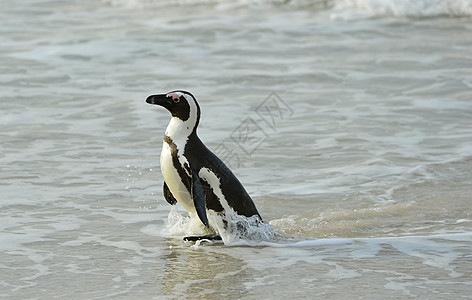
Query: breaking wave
(337,8)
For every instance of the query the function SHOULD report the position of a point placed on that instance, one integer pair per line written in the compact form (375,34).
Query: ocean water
(348,121)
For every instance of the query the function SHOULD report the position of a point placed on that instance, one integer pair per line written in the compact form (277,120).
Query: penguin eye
(175,97)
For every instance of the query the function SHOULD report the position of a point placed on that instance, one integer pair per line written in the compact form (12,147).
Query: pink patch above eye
(173,95)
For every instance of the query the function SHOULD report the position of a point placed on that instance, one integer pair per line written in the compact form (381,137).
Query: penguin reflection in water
(195,177)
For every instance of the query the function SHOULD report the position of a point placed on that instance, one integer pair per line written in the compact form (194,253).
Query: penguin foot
(211,237)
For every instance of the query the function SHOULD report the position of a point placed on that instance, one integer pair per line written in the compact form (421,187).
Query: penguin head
(180,104)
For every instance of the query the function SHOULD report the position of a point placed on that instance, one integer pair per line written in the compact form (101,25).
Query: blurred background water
(367,168)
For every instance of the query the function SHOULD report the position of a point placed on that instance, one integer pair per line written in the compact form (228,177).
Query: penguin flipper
(198,198)
(168,195)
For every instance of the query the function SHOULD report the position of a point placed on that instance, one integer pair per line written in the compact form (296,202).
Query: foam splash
(245,230)
(179,225)
(238,230)
(347,9)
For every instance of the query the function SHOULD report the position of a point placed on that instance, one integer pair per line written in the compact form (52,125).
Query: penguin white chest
(173,180)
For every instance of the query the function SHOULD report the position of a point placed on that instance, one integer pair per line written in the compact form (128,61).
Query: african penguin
(193,175)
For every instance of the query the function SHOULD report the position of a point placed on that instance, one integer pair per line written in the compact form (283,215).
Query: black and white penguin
(193,175)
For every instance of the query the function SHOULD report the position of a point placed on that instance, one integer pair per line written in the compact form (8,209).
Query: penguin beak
(161,100)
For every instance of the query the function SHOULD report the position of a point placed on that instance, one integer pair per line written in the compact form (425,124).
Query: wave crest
(339,9)
(403,8)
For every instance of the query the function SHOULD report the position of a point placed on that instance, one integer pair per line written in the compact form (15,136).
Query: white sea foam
(345,9)
(402,8)
(238,229)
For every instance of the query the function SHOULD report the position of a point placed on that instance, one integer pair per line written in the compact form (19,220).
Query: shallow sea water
(357,149)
